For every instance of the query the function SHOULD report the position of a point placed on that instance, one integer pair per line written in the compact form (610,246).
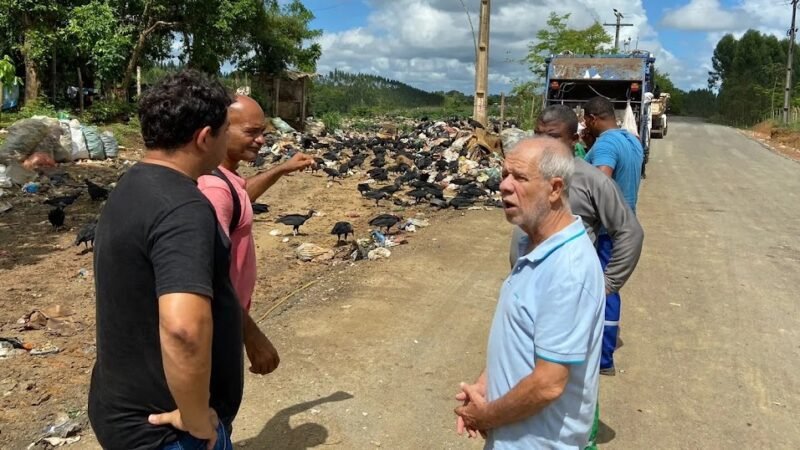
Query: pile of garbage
(41,142)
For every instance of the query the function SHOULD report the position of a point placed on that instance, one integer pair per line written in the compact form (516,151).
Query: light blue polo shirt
(551,307)
(622,151)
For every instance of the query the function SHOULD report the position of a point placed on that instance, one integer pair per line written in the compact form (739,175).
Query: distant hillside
(347,92)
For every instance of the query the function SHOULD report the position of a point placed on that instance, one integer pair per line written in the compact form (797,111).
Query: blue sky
(428,44)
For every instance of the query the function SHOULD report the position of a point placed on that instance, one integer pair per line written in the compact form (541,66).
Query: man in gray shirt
(596,198)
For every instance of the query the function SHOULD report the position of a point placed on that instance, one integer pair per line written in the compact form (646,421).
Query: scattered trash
(11,347)
(47,349)
(285,240)
(421,223)
(5,206)
(282,126)
(308,251)
(379,253)
(63,432)
(275,232)
(83,273)
(675,304)
(31,187)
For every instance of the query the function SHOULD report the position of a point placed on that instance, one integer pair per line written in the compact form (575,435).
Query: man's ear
(557,189)
(201,137)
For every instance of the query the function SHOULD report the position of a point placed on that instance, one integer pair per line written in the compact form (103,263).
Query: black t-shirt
(157,235)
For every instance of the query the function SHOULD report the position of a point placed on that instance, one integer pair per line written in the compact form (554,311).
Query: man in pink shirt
(246,136)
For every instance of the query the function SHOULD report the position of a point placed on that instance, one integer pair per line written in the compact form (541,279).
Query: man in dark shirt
(169,369)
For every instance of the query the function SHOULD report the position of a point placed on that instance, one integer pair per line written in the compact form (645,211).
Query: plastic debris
(31,187)
(379,253)
(282,126)
(47,349)
(275,232)
(308,251)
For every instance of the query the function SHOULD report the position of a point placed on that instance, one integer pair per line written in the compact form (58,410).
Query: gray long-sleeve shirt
(596,198)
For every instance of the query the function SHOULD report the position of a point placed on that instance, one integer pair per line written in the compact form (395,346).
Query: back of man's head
(180,104)
(599,107)
(560,114)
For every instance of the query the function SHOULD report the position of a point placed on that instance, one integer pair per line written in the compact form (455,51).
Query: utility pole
(788,92)
(482,66)
(617,25)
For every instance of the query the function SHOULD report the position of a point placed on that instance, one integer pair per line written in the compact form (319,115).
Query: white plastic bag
(629,121)
(79,148)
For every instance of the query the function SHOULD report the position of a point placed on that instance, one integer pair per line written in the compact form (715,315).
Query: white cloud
(705,15)
(428,43)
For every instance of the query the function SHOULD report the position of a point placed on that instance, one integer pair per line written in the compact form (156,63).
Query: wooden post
(54,74)
(277,99)
(533,107)
(502,109)
(80,90)
(479,112)
(303,104)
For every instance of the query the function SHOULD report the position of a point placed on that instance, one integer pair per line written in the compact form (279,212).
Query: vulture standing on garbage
(86,234)
(96,192)
(342,228)
(295,220)
(56,217)
(385,221)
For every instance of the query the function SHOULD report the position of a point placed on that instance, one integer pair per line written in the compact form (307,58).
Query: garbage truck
(625,79)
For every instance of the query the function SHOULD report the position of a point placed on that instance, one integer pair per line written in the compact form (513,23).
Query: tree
(99,38)
(278,40)
(8,76)
(557,38)
(748,73)
(33,26)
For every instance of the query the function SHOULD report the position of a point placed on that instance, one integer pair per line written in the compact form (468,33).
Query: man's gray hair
(556,159)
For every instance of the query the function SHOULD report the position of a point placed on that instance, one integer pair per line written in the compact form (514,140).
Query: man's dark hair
(180,104)
(599,107)
(560,114)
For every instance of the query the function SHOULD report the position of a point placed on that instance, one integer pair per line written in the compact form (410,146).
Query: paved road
(372,354)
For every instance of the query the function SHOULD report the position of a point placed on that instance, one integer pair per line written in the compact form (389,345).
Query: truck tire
(664,132)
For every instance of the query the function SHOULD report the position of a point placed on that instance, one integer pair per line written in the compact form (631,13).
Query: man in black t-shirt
(169,369)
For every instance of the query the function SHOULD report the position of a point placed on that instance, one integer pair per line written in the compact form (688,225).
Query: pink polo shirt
(243,249)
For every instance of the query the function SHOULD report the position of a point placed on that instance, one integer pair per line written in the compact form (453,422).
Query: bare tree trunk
(31,74)
(152,26)
(80,90)
(54,74)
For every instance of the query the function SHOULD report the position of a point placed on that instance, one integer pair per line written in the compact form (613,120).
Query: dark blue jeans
(189,442)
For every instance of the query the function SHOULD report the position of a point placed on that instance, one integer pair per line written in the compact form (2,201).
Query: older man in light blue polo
(539,388)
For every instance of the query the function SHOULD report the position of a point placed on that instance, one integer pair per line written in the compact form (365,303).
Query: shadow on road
(279,434)
(605,433)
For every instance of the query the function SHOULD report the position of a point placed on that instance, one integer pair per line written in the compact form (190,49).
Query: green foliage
(363,95)
(332,120)
(8,73)
(525,104)
(750,74)
(108,110)
(557,38)
(99,38)
(278,39)
(40,107)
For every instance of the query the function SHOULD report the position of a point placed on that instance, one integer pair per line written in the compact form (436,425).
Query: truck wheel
(664,133)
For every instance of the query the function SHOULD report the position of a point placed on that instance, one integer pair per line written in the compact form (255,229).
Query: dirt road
(710,323)
(372,354)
